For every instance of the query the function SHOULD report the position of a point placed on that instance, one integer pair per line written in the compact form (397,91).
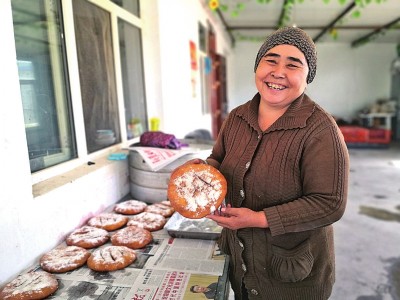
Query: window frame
(116,12)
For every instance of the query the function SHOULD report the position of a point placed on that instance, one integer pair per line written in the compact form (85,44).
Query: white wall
(152,58)
(178,21)
(347,80)
(15,185)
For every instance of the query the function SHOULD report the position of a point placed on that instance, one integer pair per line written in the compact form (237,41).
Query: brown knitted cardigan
(297,173)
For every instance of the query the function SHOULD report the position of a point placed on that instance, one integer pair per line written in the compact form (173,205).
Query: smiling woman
(286,166)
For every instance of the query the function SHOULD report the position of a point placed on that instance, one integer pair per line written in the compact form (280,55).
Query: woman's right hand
(192,161)
(195,161)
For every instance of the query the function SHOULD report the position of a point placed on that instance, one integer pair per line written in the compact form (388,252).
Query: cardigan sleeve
(324,172)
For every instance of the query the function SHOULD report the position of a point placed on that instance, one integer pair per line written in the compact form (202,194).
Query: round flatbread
(108,221)
(88,237)
(161,209)
(31,285)
(147,220)
(196,190)
(130,207)
(111,258)
(132,237)
(61,260)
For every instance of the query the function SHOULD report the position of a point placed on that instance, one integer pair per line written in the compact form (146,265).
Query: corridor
(368,236)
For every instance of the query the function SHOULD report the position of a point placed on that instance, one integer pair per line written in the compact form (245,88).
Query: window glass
(44,89)
(97,75)
(130,5)
(202,38)
(132,76)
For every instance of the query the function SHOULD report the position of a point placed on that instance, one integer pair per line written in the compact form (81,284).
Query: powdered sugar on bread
(31,285)
(196,190)
(132,237)
(111,258)
(130,207)
(88,237)
(65,259)
(147,220)
(108,221)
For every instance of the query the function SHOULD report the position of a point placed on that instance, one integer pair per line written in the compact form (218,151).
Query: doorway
(218,86)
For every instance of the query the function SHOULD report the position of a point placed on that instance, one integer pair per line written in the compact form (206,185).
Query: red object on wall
(193,56)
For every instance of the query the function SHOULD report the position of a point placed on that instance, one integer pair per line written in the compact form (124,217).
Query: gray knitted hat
(296,37)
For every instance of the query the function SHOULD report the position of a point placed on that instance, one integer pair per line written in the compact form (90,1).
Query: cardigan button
(244,267)
(247,165)
(254,292)
(241,193)
(241,244)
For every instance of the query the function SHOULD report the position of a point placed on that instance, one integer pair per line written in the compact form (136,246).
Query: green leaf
(240,6)
(223,7)
(359,3)
(356,14)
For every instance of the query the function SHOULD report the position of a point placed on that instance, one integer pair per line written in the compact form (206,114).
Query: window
(202,38)
(110,95)
(97,75)
(205,70)
(43,84)
(130,5)
(132,77)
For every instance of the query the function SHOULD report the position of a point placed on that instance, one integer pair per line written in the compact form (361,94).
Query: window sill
(75,174)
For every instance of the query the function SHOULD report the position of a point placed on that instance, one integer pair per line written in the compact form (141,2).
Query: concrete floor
(367,238)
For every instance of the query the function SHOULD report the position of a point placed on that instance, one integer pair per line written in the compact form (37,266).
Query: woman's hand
(192,161)
(195,161)
(236,218)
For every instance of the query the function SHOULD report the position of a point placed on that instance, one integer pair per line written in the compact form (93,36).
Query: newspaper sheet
(154,284)
(189,255)
(158,158)
(166,269)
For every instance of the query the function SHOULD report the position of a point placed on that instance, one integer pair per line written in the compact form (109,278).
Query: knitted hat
(296,37)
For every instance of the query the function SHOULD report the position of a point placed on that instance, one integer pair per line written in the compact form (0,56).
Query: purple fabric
(159,139)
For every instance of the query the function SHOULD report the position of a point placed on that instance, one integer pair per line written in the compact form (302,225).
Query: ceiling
(344,21)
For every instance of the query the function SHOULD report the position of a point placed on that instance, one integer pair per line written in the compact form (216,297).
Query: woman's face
(281,75)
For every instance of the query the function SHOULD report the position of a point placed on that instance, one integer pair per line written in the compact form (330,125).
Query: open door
(218,87)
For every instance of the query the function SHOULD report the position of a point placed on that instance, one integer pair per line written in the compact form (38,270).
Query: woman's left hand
(236,218)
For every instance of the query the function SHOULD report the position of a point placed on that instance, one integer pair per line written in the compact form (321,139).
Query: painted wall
(178,21)
(347,79)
